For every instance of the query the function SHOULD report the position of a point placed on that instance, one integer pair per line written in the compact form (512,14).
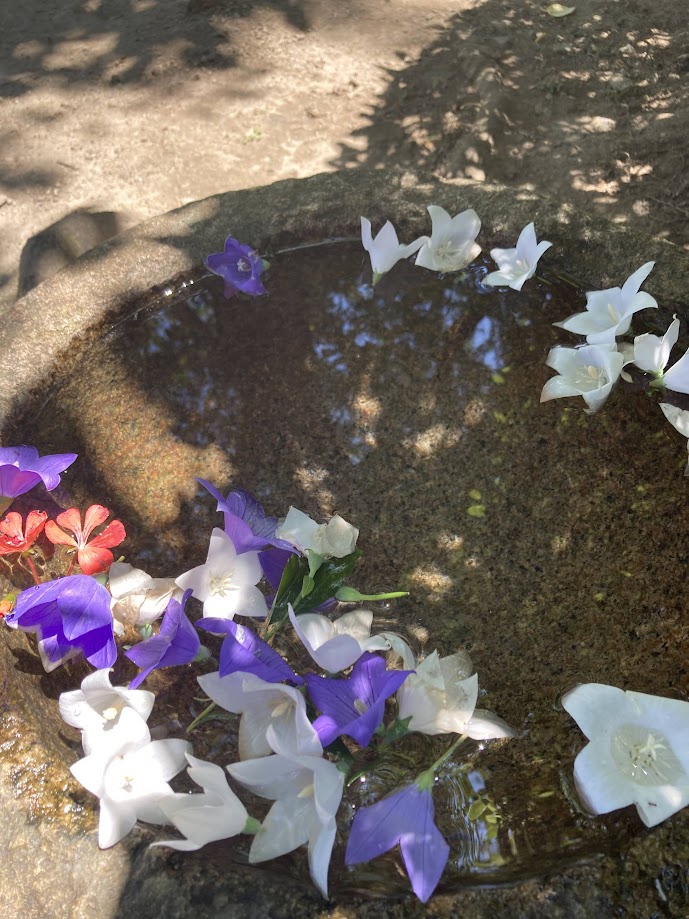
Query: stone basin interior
(548,543)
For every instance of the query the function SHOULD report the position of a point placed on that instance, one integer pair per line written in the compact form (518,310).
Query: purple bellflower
(354,706)
(244,651)
(245,520)
(21,468)
(176,643)
(239,266)
(405,817)
(70,616)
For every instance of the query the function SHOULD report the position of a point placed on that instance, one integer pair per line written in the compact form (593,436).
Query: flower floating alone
(452,245)
(519,264)
(638,751)
(386,250)
(609,312)
(405,818)
(590,372)
(239,266)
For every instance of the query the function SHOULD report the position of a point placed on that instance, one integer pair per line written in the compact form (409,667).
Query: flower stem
(33,570)
(202,717)
(450,750)
(71,566)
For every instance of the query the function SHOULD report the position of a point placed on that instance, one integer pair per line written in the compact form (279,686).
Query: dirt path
(138,106)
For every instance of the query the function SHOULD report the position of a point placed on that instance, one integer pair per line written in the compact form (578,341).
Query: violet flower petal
(14,482)
(245,520)
(245,651)
(177,643)
(407,818)
(354,706)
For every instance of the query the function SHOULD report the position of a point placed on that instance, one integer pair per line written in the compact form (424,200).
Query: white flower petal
(601,787)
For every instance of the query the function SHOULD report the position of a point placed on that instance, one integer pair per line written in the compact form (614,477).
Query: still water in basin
(550,544)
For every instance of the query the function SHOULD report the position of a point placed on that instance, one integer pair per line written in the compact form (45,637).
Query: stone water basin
(549,543)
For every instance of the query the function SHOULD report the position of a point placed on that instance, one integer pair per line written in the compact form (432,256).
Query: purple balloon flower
(70,616)
(405,817)
(354,706)
(239,266)
(245,651)
(21,468)
(245,520)
(176,643)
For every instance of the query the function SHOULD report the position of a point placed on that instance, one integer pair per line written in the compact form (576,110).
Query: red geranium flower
(93,556)
(16,538)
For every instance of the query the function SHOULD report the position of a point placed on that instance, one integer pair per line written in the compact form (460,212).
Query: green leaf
(329,578)
(307,585)
(476,810)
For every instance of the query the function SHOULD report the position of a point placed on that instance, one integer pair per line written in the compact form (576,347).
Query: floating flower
(609,312)
(93,556)
(336,645)
(137,598)
(440,698)
(386,250)
(679,419)
(177,643)
(95,709)
(132,782)
(651,353)
(519,264)
(15,536)
(405,818)
(226,582)
(245,520)
(354,706)
(334,539)
(589,372)
(307,791)
(215,814)
(239,266)
(21,468)
(638,751)
(70,616)
(263,705)
(452,245)
(244,651)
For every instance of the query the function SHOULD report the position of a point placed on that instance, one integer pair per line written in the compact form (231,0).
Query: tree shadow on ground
(587,109)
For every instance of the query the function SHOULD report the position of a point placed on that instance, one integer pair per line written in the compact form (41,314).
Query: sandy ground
(138,106)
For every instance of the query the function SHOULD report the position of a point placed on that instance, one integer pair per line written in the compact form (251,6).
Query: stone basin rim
(42,324)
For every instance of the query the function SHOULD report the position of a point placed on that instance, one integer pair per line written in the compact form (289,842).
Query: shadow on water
(521,531)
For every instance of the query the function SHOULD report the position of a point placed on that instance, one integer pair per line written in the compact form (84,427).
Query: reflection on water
(525,533)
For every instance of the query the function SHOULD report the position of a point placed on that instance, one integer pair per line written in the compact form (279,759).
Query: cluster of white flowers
(591,370)
(452,246)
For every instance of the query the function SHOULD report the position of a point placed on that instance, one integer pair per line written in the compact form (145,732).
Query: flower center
(360,706)
(113,711)
(644,757)
(614,315)
(308,791)
(281,708)
(223,585)
(243,265)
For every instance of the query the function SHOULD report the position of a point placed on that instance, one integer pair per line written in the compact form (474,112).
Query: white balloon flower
(95,710)
(337,644)
(333,539)
(589,371)
(452,245)
(307,791)
(519,264)
(609,312)
(138,598)
(226,583)
(638,751)
(386,250)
